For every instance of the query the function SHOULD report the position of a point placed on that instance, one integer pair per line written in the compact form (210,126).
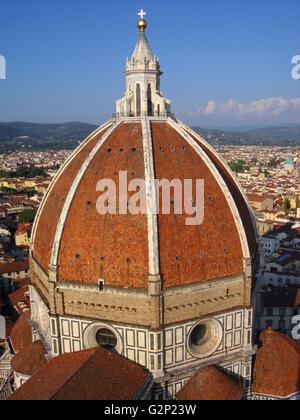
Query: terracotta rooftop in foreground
(211,384)
(30,360)
(277,365)
(95,374)
(21,334)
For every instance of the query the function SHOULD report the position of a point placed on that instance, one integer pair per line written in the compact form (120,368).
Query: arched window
(149,101)
(138,100)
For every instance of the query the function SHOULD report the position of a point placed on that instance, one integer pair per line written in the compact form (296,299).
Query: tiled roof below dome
(30,359)
(211,384)
(277,366)
(95,374)
(21,334)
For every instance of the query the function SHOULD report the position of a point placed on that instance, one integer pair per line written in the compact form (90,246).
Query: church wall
(161,351)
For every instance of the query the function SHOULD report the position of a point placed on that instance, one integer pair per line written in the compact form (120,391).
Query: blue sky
(225,62)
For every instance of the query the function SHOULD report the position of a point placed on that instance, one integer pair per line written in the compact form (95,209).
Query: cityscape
(132,306)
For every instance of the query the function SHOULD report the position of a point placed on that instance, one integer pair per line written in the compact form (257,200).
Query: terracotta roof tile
(115,247)
(20,299)
(21,334)
(277,365)
(211,384)
(95,374)
(30,359)
(15,266)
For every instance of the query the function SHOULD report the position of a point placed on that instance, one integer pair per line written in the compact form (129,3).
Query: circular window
(102,335)
(106,338)
(205,338)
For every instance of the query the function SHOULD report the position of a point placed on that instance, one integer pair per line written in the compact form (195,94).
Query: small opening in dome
(109,150)
(77,256)
(184,149)
(161,149)
(101,285)
(173,149)
(134,149)
(178,259)
(226,251)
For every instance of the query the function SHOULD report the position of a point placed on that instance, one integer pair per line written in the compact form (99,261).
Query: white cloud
(262,108)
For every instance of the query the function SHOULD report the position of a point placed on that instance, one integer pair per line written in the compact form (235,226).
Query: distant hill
(30,136)
(269,136)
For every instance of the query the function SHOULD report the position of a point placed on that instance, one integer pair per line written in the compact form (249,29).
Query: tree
(238,166)
(25,172)
(287,205)
(27,216)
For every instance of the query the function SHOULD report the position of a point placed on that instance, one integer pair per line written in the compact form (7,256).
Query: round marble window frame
(89,336)
(209,348)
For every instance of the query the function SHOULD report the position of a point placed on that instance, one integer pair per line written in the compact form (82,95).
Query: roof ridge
(76,371)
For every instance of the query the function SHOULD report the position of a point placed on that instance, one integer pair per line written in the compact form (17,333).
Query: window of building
(106,338)
(152,362)
(149,101)
(152,341)
(138,100)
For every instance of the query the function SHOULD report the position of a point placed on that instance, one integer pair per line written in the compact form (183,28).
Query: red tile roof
(277,365)
(21,334)
(30,359)
(24,228)
(45,230)
(115,247)
(258,198)
(13,267)
(95,374)
(211,384)
(20,299)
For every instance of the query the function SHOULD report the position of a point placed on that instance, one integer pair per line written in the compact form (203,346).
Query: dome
(289,162)
(211,384)
(145,244)
(21,334)
(277,364)
(71,238)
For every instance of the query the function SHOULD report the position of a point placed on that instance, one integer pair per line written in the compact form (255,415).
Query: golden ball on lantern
(142,25)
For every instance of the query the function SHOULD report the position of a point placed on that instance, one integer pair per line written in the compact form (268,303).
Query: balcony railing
(153,114)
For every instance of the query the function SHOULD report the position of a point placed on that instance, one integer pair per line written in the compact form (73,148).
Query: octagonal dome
(71,239)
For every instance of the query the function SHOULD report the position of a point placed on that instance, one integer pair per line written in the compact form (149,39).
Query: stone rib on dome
(117,248)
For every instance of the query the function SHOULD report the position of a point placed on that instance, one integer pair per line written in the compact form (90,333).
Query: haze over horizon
(226,64)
